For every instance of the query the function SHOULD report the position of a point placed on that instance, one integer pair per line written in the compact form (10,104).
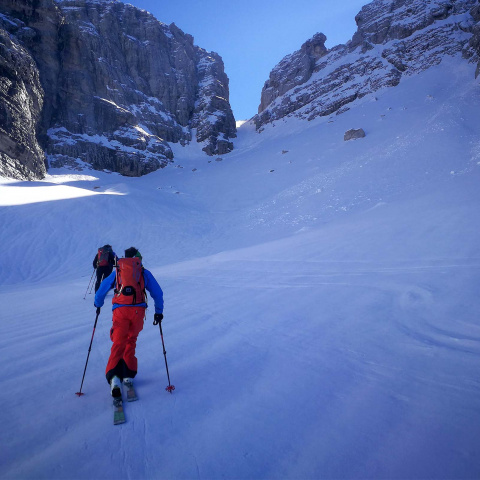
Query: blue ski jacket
(151,285)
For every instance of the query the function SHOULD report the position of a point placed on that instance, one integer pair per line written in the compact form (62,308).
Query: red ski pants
(127,324)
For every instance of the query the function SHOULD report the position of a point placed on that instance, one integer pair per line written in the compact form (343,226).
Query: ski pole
(89,283)
(93,284)
(170,388)
(79,393)
(91,288)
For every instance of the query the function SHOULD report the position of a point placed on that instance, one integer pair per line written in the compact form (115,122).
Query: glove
(157,318)
(98,310)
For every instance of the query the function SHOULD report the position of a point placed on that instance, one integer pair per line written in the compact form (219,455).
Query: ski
(118,413)
(131,394)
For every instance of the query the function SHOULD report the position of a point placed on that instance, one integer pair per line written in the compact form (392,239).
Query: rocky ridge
(116,87)
(394,39)
(475,40)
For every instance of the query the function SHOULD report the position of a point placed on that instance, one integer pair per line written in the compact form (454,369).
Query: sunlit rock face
(120,86)
(394,39)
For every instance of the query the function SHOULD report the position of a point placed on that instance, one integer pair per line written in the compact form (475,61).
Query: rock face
(21,102)
(475,40)
(118,85)
(293,70)
(394,39)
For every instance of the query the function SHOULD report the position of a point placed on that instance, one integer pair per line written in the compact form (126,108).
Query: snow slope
(321,303)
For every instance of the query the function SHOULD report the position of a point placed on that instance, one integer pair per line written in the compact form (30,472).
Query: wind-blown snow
(321,303)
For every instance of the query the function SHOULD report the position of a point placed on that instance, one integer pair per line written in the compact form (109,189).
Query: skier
(129,304)
(103,263)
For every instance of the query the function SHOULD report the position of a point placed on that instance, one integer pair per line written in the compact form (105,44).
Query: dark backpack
(103,256)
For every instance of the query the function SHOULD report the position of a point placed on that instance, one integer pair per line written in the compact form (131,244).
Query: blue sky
(252,36)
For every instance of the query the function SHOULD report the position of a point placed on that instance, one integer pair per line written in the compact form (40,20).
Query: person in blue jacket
(130,280)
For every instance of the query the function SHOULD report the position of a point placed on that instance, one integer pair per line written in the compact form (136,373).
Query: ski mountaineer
(129,304)
(103,263)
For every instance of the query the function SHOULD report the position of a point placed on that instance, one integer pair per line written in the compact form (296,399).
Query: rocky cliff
(475,40)
(394,39)
(116,87)
(21,102)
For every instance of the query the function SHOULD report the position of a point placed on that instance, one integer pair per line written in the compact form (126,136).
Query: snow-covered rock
(394,39)
(119,85)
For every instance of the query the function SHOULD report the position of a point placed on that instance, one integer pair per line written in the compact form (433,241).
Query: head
(132,252)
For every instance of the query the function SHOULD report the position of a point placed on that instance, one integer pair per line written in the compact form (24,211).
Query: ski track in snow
(321,320)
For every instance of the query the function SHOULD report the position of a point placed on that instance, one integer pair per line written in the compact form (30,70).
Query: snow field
(321,320)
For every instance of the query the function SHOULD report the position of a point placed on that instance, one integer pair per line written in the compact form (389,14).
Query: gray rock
(353,134)
(21,101)
(475,40)
(394,39)
(119,85)
(293,70)
(213,117)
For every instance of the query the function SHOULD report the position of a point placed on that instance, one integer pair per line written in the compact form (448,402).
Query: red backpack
(130,284)
(103,256)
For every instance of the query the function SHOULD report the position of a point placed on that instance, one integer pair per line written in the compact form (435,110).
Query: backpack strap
(115,290)
(144,289)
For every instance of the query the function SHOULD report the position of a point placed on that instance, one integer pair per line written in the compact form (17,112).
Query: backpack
(129,283)
(103,256)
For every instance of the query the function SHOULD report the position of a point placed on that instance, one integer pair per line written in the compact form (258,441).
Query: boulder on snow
(354,133)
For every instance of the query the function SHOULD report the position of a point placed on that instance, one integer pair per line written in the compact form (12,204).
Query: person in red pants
(130,280)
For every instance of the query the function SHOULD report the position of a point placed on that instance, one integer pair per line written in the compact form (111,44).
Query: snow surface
(321,303)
